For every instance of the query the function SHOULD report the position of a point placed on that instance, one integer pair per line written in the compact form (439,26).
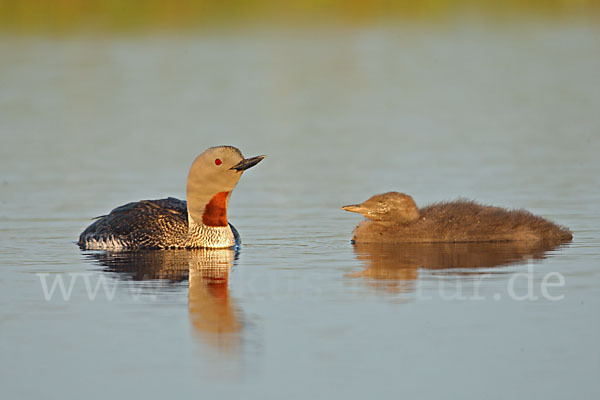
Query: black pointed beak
(247,163)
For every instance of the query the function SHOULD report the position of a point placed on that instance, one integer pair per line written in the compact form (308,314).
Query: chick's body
(394,218)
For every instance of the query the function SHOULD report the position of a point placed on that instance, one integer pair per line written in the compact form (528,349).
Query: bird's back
(465,221)
(146,224)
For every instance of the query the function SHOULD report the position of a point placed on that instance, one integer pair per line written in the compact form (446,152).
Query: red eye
(218,161)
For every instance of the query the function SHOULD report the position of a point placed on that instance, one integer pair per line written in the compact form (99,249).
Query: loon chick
(201,222)
(394,218)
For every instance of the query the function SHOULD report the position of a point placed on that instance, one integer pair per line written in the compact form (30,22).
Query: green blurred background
(66,16)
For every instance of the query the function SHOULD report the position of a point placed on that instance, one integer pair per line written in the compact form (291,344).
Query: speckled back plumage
(146,224)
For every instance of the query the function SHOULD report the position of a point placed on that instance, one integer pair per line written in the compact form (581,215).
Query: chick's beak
(356,208)
(247,163)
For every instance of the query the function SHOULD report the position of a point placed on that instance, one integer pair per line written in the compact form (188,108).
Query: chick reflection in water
(395,267)
(213,314)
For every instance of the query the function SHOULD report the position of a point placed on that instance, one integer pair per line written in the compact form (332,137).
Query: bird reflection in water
(395,267)
(213,314)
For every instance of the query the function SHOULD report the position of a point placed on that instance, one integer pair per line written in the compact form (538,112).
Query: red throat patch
(215,212)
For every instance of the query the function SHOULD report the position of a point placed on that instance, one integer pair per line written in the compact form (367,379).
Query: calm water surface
(506,115)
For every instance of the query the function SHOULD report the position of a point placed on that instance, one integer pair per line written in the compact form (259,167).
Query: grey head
(387,208)
(212,177)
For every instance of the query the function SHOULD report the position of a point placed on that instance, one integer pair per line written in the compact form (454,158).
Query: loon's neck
(201,235)
(207,220)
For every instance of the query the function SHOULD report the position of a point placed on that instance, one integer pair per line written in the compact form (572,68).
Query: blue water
(506,115)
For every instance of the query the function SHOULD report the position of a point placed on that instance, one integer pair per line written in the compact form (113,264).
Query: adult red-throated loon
(201,222)
(394,218)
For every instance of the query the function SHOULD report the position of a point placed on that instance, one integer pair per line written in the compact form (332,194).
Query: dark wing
(142,224)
